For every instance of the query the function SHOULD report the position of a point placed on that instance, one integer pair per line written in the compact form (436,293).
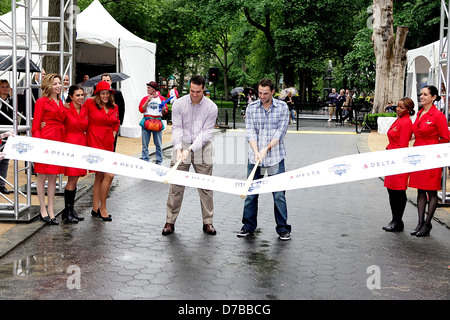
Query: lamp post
(328,78)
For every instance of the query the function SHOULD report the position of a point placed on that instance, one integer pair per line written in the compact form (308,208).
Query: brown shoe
(168,229)
(209,229)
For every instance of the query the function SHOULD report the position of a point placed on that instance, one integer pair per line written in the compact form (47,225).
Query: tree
(390,55)
(51,63)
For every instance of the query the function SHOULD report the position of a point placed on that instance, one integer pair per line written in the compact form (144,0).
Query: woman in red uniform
(399,135)
(48,123)
(101,133)
(76,125)
(430,127)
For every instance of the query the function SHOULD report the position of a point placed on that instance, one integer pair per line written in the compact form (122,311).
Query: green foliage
(371,118)
(301,36)
(360,62)
(5,7)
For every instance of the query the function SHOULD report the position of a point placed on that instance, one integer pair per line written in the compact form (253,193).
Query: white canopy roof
(422,69)
(101,40)
(95,26)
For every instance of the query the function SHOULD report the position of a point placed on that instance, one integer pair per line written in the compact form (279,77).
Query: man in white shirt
(193,120)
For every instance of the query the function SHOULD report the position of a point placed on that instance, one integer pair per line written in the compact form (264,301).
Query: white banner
(338,170)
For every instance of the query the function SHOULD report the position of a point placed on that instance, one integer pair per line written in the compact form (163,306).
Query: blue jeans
(157,140)
(249,218)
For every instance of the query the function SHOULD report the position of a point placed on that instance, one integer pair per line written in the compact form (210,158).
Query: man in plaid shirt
(266,122)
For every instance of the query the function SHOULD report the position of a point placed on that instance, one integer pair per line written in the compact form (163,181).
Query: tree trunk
(390,55)
(51,63)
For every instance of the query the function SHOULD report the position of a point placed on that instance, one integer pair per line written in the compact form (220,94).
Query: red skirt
(56,133)
(426,179)
(397,182)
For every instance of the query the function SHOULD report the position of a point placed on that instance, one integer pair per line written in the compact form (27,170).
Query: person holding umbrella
(291,104)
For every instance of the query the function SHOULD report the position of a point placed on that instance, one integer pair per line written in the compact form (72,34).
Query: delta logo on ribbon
(22,147)
(340,169)
(255,185)
(160,171)
(414,159)
(92,158)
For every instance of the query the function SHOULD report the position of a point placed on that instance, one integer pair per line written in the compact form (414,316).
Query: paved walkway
(337,250)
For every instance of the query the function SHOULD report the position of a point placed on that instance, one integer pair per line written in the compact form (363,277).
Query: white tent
(101,40)
(422,69)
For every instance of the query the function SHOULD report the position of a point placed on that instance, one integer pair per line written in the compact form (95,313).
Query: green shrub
(371,118)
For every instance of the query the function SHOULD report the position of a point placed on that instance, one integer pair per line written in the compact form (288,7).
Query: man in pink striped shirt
(193,120)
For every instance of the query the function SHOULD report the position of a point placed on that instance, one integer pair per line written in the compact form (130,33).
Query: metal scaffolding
(27,33)
(444,77)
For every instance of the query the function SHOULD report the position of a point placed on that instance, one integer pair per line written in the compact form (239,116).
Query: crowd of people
(92,118)
(340,105)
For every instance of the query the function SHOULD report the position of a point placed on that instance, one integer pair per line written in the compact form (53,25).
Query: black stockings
(422,202)
(397,200)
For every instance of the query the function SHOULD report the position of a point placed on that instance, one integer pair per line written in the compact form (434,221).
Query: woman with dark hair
(48,123)
(104,122)
(399,135)
(430,127)
(76,124)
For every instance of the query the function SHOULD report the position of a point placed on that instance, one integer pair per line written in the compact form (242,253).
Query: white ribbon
(337,170)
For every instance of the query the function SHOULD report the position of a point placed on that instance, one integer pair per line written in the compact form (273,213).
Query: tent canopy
(100,41)
(422,69)
(103,41)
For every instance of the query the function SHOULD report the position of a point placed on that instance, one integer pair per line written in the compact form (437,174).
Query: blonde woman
(48,123)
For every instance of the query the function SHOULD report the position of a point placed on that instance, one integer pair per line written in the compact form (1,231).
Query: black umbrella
(6,62)
(247,91)
(115,77)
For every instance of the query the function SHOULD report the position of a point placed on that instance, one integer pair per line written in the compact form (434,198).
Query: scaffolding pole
(28,42)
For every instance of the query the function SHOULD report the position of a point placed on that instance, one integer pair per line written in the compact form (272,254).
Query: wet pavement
(337,251)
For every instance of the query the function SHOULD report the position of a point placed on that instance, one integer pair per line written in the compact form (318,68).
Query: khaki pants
(202,162)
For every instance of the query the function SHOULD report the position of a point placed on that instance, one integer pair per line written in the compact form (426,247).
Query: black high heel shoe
(54,222)
(108,218)
(95,213)
(425,230)
(414,232)
(46,219)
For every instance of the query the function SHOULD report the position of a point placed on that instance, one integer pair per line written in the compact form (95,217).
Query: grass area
(224,104)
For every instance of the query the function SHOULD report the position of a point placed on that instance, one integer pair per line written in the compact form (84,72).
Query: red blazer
(432,128)
(76,125)
(399,135)
(101,126)
(53,114)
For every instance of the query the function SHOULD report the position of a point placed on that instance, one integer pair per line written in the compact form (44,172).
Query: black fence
(235,117)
